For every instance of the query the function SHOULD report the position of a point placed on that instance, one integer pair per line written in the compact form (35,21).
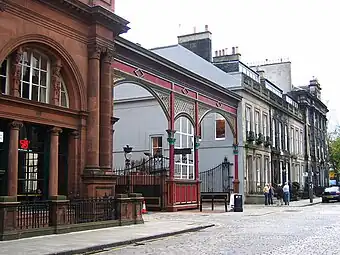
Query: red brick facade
(77,38)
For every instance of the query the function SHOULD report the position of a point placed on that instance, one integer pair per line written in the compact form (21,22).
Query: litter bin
(238,203)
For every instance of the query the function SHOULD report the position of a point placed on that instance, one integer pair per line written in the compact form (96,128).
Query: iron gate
(147,177)
(217,179)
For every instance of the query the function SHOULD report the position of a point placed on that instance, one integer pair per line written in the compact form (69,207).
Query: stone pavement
(307,230)
(156,225)
(85,241)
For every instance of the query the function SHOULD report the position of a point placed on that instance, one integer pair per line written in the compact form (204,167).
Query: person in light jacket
(266,194)
(286,193)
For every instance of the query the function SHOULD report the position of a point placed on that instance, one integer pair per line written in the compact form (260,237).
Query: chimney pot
(194,30)
(226,51)
(220,53)
(223,53)
(236,49)
(206,28)
(233,50)
(216,53)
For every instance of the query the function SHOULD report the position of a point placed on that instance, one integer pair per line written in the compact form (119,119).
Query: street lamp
(127,155)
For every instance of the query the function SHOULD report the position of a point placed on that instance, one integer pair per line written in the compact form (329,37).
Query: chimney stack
(198,42)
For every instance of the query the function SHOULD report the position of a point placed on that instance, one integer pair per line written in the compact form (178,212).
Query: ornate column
(171,140)
(16,73)
(236,178)
(93,120)
(56,82)
(73,168)
(13,159)
(106,101)
(54,167)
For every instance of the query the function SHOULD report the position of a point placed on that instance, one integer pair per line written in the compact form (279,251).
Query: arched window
(63,97)
(35,76)
(4,71)
(184,164)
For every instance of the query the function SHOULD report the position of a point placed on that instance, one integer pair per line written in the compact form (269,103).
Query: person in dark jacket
(270,194)
(279,195)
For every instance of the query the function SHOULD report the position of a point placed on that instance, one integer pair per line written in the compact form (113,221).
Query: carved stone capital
(94,51)
(15,125)
(75,134)
(55,131)
(3,5)
(109,56)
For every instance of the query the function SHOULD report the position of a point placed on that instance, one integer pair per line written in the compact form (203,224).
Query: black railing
(152,165)
(91,210)
(217,179)
(33,214)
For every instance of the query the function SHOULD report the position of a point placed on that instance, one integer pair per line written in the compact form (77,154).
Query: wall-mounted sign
(23,144)
(1,137)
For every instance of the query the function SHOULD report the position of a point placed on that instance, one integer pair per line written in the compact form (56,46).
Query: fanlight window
(63,97)
(4,76)
(35,79)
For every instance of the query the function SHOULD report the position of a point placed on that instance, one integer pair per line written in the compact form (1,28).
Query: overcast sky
(305,31)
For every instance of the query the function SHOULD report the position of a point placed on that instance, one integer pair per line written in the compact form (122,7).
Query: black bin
(238,203)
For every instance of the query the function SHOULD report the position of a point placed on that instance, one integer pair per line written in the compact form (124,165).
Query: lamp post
(127,155)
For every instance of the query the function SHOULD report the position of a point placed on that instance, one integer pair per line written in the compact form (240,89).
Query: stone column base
(99,183)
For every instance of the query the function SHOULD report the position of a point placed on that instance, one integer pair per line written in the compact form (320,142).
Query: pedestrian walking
(270,194)
(266,194)
(286,193)
(279,195)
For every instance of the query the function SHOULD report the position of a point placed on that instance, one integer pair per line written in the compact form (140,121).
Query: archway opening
(142,123)
(216,153)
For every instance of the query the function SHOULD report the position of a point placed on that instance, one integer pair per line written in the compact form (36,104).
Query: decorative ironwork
(217,179)
(184,106)
(91,210)
(116,78)
(165,98)
(146,176)
(231,121)
(33,214)
(171,136)
(202,111)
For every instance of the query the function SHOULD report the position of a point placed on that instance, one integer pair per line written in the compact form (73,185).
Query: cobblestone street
(270,230)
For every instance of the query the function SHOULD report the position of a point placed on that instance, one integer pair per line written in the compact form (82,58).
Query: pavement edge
(103,247)
(311,204)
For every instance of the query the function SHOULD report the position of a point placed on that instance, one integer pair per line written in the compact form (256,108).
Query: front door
(33,162)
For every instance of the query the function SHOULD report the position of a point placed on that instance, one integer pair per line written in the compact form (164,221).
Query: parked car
(331,193)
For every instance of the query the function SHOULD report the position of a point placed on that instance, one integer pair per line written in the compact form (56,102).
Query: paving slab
(100,239)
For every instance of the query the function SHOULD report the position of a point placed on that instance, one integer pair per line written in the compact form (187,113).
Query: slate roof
(194,63)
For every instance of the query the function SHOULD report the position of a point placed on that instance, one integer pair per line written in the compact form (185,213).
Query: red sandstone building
(59,61)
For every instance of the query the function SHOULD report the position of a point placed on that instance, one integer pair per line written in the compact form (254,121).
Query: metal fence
(217,179)
(91,210)
(33,214)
